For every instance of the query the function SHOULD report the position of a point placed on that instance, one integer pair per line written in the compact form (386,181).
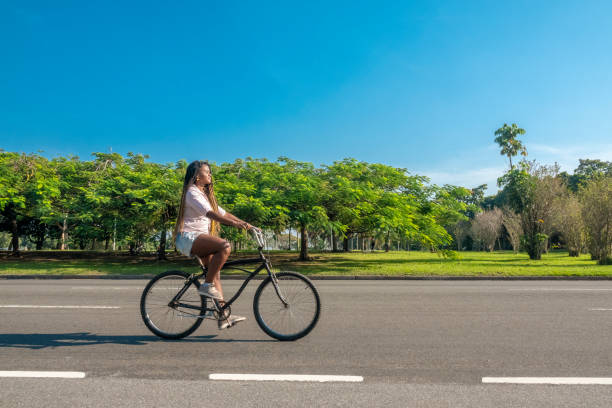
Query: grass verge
(415,263)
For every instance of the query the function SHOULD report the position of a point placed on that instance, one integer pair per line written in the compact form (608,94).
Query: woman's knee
(227,248)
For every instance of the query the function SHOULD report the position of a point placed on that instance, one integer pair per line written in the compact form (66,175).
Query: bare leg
(216,282)
(216,251)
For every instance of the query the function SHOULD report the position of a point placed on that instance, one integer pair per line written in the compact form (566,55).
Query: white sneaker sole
(225,323)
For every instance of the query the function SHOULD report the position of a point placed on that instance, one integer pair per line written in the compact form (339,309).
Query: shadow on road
(36,341)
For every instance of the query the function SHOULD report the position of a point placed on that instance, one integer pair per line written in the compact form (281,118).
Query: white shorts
(184,242)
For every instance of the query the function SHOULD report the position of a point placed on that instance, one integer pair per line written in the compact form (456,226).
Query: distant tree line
(113,201)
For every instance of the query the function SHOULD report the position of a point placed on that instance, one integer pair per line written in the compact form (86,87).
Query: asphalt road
(415,343)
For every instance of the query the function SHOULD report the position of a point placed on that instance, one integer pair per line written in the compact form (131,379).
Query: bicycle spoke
(167,321)
(295,318)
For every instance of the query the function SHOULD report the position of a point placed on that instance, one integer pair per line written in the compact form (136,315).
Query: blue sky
(419,85)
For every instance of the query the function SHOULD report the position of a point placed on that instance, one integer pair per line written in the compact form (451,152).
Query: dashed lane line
(548,380)
(42,374)
(58,307)
(286,377)
(561,290)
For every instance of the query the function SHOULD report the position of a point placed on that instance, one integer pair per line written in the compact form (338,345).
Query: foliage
(596,199)
(586,170)
(568,220)
(532,190)
(27,187)
(133,202)
(507,140)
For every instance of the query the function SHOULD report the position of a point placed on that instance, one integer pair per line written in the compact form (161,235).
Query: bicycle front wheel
(287,309)
(167,320)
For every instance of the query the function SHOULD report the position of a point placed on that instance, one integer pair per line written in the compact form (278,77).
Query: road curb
(330,277)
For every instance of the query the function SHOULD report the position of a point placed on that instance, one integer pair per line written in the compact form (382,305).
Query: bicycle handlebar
(258,236)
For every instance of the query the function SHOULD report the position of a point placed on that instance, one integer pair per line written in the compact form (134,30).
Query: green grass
(415,263)
(499,263)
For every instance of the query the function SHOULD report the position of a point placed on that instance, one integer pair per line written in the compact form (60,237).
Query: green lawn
(415,263)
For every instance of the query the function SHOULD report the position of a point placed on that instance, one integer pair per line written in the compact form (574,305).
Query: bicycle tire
(156,313)
(282,322)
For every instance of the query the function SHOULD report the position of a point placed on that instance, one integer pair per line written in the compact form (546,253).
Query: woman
(197,230)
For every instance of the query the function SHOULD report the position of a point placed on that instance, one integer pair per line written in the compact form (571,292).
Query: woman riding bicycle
(197,229)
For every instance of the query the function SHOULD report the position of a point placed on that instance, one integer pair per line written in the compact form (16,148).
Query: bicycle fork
(277,289)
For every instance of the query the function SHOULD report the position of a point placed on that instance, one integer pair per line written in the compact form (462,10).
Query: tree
(596,198)
(507,140)
(460,230)
(531,191)
(74,178)
(300,184)
(512,223)
(568,220)
(586,170)
(348,198)
(27,187)
(248,188)
(486,227)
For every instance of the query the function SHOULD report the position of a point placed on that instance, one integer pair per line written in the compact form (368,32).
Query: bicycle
(286,305)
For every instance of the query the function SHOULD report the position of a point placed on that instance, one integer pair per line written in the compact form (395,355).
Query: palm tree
(510,145)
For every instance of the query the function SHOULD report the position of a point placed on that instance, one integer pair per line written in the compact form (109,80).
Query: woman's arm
(229,219)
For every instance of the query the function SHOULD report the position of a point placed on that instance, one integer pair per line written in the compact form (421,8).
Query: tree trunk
(387,243)
(289,248)
(345,244)
(303,243)
(334,242)
(161,253)
(15,237)
(106,242)
(63,239)
(93,244)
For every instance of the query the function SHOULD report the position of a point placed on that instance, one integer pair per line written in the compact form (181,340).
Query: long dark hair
(190,178)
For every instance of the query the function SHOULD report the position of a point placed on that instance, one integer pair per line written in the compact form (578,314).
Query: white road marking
(59,307)
(286,377)
(560,290)
(600,309)
(548,380)
(42,374)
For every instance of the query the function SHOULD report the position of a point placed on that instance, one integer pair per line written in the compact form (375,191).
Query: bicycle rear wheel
(164,320)
(292,318)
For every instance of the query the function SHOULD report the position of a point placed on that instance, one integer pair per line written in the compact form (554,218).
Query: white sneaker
(230,321)
(209,290)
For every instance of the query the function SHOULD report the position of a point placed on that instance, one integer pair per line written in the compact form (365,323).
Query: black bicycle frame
(228,265)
